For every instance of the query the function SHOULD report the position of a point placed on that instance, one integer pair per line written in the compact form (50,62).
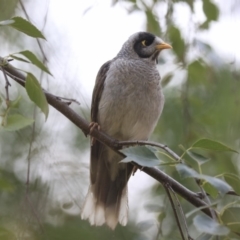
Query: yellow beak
(163,46)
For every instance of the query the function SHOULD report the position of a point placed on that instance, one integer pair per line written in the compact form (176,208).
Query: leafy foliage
(16,122)
(36,94)
(201,113)
(24,26)
(140,155)
(32,58)
(205,224)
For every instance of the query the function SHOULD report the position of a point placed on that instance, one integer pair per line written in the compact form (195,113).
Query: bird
(127,102)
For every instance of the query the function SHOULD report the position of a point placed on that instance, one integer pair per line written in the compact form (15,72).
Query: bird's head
(143,45)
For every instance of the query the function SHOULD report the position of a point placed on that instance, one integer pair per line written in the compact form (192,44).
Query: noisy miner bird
(127,102)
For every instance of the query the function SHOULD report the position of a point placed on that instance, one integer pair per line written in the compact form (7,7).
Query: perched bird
(127,102)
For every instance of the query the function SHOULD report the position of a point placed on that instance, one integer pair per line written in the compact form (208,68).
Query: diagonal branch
(81,123)
(167,189)
(6,85)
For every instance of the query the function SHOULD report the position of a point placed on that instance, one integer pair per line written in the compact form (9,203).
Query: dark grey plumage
(127,103)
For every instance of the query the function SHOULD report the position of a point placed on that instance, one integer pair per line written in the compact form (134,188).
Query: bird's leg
(92,126)
(135,168)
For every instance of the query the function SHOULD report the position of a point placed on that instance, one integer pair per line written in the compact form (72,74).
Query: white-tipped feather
(89,206)
(123,211)
(98,214)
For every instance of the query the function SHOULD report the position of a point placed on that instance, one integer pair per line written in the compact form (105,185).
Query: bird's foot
(92,126)
(135,168)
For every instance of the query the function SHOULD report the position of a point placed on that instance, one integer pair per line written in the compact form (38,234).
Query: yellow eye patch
(144,43)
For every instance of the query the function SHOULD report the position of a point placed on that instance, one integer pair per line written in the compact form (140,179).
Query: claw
(135,168)
(92,126)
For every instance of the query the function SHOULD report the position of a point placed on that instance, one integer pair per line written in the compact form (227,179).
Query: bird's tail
(107,200)
(99,213)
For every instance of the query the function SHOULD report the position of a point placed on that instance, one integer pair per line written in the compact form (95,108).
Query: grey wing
(97,93)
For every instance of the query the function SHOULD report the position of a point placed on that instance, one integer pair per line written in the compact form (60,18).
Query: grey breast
(132,99)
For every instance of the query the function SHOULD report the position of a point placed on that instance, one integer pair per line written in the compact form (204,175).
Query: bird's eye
(144,43)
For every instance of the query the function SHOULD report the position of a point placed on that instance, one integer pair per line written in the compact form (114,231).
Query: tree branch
(167,189)
(6,85)
(81,123)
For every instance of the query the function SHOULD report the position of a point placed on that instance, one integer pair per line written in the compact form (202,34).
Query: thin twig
(68,99)
(233,193)
(167,189)
(30,150)
(34,117)
(207,200)
(6,85)
(181,212)
(35,213)
(38,42)
(159,233)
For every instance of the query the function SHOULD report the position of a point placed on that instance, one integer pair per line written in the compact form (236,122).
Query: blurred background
(201,81)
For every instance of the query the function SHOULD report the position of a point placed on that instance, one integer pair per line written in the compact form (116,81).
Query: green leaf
(186,171)
(204,237)
(205,224)
(210,10)
(19,58)
(15,103)
(152,23)
(33,59)
(182,147)
(153,208)
(196,72)
(212,145)
(219,184)
(198,157)
(195,210)
(26,27)
(232,215)
(190,3)
(8,7)
(211,190)
(6,185)
(36,94)
(145,225)
(233,180)
(6,22)
(177,42)
(166,79)
(16,122)
(160,154)
(161,216)
(204,25)
(141,155)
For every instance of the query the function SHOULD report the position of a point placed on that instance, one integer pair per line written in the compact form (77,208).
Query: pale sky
(82,35)
(97,35)
(81,41)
